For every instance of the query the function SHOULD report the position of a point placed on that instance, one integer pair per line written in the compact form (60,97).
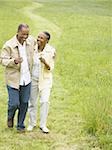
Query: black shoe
(21,130)
(10,122)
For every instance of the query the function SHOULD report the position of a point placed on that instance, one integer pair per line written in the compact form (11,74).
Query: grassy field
(80,116)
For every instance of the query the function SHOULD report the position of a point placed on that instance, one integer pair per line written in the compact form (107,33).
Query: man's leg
(32,109)
(24,97)
(13,104)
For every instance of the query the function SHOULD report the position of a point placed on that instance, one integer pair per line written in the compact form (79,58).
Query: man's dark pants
(18,99)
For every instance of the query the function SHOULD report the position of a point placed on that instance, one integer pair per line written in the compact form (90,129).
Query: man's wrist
(15,62)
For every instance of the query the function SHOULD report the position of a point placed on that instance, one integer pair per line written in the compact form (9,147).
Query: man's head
(22,32)
(43,38)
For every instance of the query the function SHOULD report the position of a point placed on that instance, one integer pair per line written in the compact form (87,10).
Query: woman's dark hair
(47,34)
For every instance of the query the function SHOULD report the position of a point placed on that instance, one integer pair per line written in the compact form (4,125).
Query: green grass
(81,109)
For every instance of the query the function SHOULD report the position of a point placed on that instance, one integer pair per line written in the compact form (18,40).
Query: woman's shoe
(44,129)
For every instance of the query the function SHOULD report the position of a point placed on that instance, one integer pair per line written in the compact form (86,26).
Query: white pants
(44,104)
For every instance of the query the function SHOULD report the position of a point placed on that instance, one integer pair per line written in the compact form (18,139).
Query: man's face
(42,39)
(23,34)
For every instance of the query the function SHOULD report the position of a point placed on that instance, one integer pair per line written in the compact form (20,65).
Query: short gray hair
(21,26)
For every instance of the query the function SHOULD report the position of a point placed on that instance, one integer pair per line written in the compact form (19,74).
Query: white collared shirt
(25,77)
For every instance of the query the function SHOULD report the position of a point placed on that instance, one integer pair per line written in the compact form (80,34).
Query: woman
(41,81)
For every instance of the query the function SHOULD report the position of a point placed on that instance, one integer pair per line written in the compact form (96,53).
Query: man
(17,56)
(41,81)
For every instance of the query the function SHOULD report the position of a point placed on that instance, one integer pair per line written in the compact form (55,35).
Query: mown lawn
(80,114)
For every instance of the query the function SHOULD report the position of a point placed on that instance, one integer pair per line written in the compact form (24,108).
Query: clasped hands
(18,60)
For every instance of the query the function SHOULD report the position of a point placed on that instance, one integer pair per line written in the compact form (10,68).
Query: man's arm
(7,60)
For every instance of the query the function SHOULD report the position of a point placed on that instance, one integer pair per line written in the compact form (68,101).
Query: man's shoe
(10,122)
(21,130)
(30,128)
(44,130)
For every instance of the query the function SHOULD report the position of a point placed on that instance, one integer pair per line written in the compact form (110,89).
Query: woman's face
(42,39)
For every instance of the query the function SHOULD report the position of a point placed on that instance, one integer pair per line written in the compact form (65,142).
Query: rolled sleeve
(6,59)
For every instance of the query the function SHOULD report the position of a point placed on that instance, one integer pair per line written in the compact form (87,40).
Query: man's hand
(18,60)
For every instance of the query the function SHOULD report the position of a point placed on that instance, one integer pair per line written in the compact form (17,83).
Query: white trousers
(44,104)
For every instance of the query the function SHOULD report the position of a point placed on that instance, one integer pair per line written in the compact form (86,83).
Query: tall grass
(84,61)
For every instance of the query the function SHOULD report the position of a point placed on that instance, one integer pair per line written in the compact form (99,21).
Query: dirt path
(39,22)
